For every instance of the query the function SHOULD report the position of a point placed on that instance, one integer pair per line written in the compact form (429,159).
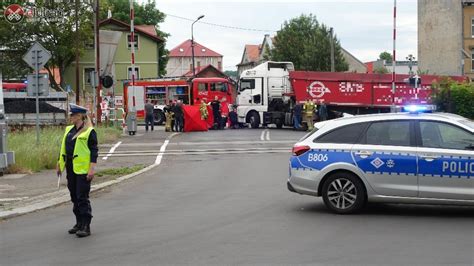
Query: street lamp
(410,59)
(192,42)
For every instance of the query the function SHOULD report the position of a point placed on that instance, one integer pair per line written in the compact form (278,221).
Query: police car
(425,158)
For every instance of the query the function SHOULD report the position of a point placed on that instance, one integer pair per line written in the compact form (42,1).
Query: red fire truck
(268,92)
(164,91)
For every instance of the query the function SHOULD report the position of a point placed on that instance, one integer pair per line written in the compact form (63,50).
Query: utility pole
(192,43)
(333,68)
(394,60)
(77,50)
(97,107)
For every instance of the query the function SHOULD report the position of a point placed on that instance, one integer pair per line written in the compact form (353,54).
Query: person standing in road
(169,118)
(308,109)
(78,155)
(323,111)
(216,112)
(149,108)
(178,116)
(297,112)
(203,110)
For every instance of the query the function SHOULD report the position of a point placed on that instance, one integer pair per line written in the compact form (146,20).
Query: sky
(364,28)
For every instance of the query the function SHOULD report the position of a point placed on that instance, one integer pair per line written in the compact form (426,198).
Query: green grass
(120,171)
(30,157)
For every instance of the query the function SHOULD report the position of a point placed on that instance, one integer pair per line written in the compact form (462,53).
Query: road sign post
(36,57)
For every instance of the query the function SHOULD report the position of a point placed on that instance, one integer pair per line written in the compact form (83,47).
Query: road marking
(112,150)
(268,135)
(262,136)
(163,149)
(13,199)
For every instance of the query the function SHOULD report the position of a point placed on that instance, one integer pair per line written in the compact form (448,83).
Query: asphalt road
(232,207)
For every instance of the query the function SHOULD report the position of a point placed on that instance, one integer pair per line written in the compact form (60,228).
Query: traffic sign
(42,86)
(37,56)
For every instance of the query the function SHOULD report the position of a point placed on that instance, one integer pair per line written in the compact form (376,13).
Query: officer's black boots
(74,229)
(84,231)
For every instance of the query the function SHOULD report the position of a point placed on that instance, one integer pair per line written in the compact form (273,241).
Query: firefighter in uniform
(169,118)
(203,110)
(78,155)
(308,109)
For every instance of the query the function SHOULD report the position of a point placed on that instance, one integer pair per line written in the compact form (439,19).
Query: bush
(30,157)
(453,97)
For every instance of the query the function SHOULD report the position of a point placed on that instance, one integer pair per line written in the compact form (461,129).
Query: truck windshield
(219,86)
(247,84)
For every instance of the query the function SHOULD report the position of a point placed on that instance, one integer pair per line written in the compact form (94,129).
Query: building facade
(115,55)
(180,59)
(468,38)
(255,54)
(440,37)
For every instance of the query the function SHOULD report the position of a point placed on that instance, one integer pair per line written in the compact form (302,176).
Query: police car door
(386,155)
(445,161)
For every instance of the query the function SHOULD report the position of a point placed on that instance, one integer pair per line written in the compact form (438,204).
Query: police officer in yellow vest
(308,109)
(78,155)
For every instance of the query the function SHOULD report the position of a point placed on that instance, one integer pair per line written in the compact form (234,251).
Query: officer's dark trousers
(79,189)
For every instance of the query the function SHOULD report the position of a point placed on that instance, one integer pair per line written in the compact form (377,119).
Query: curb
(56,198)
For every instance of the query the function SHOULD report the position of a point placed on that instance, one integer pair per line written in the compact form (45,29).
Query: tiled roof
(253,52)
(184,50)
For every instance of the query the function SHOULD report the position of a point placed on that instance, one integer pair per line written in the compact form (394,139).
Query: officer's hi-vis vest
(82,154)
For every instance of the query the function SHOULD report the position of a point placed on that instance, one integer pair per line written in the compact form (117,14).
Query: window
(219,86)
(137,73)
(202,87)
(472,59)
(219,65)
(129,41)
(472,26)
(247,84)
(346,134)
(87,75)
(445,136)
(395,133)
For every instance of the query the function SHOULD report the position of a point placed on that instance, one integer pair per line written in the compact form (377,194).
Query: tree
(454,97)
(386,56)
(381,70)
(306,43)
(56,34)
(145,14)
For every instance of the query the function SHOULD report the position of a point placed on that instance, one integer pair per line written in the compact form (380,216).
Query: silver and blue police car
(425,158)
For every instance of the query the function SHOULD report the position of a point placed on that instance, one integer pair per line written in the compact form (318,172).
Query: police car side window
(349,134)
(393,133)
(444,136)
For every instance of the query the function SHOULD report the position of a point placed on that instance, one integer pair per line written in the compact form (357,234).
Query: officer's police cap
(76,109)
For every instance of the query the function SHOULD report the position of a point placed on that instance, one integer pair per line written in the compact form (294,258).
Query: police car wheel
(343,193)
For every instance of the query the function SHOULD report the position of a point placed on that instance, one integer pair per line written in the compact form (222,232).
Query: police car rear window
(349,134)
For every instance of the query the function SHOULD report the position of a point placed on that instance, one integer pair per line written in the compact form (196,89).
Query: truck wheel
(344,193)
(279,123)
(254,120)
(158,117)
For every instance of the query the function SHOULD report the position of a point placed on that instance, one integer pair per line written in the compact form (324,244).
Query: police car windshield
(468,123)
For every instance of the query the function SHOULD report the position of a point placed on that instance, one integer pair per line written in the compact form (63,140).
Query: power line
(219,25)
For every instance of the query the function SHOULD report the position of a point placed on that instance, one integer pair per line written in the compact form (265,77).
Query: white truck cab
(263,94)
